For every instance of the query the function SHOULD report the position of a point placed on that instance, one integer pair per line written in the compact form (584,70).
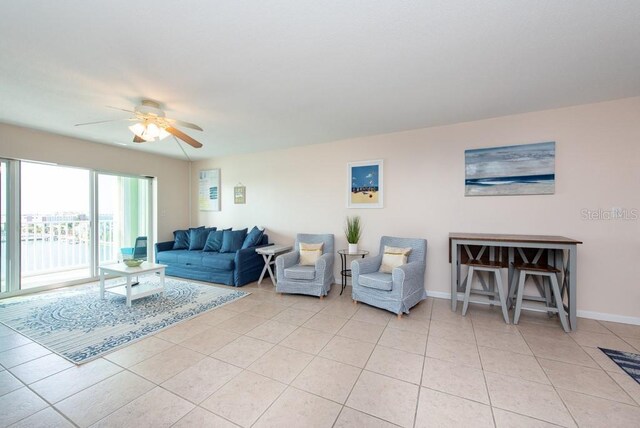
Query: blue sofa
(230,268)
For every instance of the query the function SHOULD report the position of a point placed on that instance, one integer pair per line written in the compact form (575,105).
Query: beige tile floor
(296,361)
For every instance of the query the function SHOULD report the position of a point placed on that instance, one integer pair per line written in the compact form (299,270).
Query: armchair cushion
(377,280)
(310,253)
(393,257)
(300,272)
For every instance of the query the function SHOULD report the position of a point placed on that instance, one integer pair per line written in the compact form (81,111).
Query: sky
(363,176)
(48,189)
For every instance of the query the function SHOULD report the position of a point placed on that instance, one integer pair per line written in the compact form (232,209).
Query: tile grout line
(424,363)
(564,405)
(484,376)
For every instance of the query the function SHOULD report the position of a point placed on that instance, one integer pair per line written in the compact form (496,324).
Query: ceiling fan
(151,124)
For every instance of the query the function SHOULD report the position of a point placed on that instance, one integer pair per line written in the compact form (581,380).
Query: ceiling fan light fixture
(152,133)
(149,131)
(138,129)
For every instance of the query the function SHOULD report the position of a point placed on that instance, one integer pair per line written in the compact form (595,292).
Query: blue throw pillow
(198,238)
(214,240)
(253,238)
(232,240)
(181,238)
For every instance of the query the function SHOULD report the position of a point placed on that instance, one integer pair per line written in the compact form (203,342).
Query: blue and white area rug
(628,361)
(77,325)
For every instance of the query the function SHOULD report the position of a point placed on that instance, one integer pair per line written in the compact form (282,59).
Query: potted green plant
(353,231)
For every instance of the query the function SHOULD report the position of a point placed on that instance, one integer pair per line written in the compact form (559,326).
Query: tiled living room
(278,360)
(257,214)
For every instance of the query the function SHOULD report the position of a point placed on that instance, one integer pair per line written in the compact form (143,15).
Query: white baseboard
(609,317)
(583,314)
(439,294)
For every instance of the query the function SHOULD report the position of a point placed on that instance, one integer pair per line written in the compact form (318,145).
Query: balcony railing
(62,245)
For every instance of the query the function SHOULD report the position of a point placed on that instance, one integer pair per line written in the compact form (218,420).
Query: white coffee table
(269,255)
(140,290)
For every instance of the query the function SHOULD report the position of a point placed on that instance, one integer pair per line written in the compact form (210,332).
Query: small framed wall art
(365,185)
(240,194)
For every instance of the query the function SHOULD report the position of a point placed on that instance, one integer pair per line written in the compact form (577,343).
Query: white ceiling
(259,75)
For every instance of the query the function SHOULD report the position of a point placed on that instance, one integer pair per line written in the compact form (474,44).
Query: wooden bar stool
(549,290)
(495,291)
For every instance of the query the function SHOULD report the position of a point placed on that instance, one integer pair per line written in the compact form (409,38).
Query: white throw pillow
(393,257)
(310,253)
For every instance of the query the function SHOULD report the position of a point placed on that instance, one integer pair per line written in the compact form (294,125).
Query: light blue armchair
(398,291)
(312,280)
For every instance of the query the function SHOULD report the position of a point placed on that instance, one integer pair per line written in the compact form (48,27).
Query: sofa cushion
(170,256)
(190,258)
(232,240)
(253,238)
(300,272)
(198,237)
(214,240)
(377,280)
(221,261)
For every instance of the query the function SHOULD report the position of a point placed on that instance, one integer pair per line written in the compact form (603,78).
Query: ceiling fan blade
(184,137)
(185,124)
(137,139)
(123,109)
(99,121)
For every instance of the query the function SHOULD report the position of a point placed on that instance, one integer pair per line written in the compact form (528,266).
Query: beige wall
(172,174)
(597,167)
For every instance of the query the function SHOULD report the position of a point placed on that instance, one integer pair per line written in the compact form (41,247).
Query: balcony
(59,251)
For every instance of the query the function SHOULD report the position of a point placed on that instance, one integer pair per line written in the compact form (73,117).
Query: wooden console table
(564,257)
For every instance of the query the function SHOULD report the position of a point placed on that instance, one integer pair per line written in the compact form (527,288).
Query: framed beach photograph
(209,190)
(527,169)
(365,184)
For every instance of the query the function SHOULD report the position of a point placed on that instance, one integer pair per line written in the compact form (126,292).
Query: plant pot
(353,248)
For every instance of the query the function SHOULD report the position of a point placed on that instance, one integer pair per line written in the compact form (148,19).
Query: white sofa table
(269,255)
(126,289)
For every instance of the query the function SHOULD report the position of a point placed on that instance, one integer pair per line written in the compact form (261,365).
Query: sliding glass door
(58,224)
(124,213)
(4,227)
(55,224)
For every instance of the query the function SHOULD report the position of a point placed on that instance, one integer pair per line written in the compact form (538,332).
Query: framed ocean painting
(527,169)
(365,184)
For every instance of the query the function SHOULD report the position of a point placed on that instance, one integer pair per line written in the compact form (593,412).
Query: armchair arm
(284,261)
(361,266)
(408,277)
(370,265)
(324,266)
